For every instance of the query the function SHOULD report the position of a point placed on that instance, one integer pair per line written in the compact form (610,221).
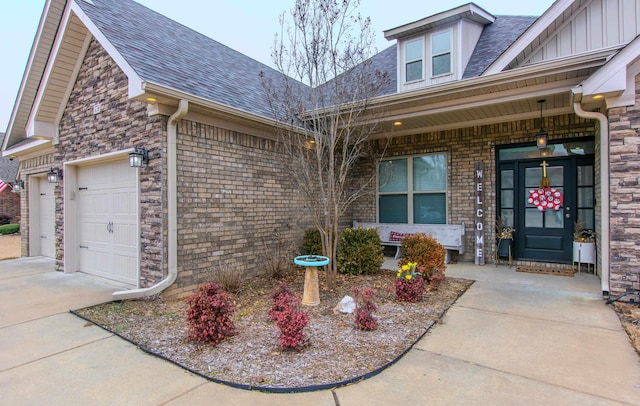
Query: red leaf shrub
(410,290)
(291,321)
(209,314)
(365,307)
(424,250)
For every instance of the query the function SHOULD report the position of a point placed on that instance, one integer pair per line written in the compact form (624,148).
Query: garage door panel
(46,220)
(108,221)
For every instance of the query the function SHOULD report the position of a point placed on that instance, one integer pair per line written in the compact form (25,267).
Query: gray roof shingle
(167,53)
(494,40)
(8,167)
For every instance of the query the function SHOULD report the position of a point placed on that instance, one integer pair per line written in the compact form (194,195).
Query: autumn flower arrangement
(409,284)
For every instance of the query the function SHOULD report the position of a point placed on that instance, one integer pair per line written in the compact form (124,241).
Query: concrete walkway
(512,339)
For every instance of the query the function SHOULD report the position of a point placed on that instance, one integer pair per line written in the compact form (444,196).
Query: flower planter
(584,253)
(504,249)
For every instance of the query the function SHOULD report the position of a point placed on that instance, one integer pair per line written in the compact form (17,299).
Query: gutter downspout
(172,212)
(605,220)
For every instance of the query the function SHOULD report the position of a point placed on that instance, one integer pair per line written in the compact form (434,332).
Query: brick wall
(624,155)
(10,204)
(121,124)
(464,147)
(233,198)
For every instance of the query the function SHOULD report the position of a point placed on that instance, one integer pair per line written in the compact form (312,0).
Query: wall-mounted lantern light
(18,186)
(54,175)
(138,157)
(541,136)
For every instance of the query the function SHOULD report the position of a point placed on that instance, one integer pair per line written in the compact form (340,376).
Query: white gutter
(605,220)
(172,211)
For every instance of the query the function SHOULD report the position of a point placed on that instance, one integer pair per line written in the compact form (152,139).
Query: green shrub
(426,252)
(6,219)
(312,243)
(359,251)
(10,229)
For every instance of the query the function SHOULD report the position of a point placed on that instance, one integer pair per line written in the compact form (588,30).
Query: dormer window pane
(441,53)
(413,51)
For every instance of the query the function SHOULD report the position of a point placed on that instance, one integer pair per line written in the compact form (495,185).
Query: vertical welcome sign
(479,229)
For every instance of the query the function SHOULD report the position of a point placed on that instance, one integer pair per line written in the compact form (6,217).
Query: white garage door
(108,221)
(46,219)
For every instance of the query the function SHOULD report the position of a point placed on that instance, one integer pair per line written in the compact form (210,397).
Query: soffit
(482,103)
(35,68)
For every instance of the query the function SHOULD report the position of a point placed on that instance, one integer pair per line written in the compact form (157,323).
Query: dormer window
(413,56)
(441,53)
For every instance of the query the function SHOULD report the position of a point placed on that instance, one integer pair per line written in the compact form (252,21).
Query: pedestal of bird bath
(311,294)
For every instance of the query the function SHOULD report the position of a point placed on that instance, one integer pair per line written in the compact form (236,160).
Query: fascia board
(613,76)
(36,51)
(541,24)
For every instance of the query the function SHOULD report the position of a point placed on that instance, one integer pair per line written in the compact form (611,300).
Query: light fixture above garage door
(54,175)
(138,157)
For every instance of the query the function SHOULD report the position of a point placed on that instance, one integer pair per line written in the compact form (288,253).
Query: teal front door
(546,235)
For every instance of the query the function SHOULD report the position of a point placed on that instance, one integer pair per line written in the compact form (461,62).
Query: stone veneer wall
(464,147)
(121,124)
(234,204)
(624,157)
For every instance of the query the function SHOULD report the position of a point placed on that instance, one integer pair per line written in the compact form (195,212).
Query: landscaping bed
(336,352)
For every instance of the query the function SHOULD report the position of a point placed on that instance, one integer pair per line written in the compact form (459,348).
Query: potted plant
(584,244)
(504,238)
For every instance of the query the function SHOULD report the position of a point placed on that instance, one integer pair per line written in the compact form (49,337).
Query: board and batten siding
(596,24)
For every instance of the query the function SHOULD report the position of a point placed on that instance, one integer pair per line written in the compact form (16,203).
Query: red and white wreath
(547,198)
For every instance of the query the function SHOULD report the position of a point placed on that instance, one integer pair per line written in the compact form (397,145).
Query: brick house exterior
(213,191)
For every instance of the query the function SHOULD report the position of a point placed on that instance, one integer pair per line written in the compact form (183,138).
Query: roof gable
(573,27)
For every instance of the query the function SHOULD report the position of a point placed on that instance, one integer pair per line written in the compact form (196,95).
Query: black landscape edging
(268,389)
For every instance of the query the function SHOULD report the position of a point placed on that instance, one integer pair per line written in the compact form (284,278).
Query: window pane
(506,198)
(555,175)
(533,176)
(587,218)
(533,218)
(585,175)
(430,173)
(414,71)
(506,179)
(430,208)
(413,50)
(393,209)
(441,43)
(507,217)
(441,64)
(585,197)
(553,218)
(392,175)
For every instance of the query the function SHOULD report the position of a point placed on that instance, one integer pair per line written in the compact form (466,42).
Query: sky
(247,26)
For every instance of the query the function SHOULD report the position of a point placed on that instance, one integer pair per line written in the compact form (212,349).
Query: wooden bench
(451,236)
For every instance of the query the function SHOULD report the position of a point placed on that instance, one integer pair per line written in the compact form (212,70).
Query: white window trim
(433,55)
(410,192)
(406,61)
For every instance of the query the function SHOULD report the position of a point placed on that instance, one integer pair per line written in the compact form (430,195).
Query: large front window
(413,190)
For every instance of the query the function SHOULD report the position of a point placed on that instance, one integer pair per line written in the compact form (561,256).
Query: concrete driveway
(511,339)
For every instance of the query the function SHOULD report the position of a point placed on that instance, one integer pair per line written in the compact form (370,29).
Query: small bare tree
(322,104)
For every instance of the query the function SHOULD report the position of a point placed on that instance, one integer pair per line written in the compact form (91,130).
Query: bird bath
(311,295)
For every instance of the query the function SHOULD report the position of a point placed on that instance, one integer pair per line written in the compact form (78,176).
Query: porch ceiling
(484,104)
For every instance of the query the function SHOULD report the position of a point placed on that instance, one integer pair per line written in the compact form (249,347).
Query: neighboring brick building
(214,190)
(9,201)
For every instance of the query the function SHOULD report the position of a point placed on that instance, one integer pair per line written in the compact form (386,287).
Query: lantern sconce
(541,136)
(18,186)
(138,157)
(54,175)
